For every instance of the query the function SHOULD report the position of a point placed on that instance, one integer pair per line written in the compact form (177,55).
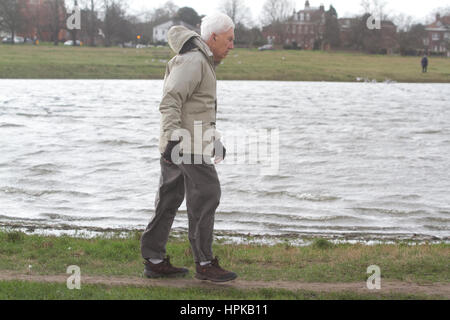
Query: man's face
(221,44)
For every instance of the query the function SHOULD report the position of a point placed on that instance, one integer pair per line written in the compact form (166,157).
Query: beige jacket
(189,95)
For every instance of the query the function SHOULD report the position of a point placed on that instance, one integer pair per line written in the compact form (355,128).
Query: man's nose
(231,45)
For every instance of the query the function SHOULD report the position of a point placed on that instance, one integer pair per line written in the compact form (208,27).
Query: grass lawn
(65,62)
(322,262)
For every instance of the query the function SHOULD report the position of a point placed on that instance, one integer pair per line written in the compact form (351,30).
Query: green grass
(21,290)
(63,62)
(322,261)
(319,262)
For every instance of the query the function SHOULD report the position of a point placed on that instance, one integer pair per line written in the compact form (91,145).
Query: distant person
(424,64)
(189,98)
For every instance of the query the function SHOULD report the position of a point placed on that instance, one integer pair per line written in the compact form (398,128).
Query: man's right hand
(167,155)
(219,152)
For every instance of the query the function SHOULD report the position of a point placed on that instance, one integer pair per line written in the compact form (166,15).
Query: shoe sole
(154,275)
(201,277)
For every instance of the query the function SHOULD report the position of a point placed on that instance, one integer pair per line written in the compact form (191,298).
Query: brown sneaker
(163,270)
(213,272)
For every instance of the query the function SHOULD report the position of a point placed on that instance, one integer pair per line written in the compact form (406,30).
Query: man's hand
(219,152)
(167,155)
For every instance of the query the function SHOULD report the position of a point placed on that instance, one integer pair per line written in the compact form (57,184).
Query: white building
(160,31)
(4,34)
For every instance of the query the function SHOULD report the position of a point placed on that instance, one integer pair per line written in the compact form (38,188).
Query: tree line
(109,22)
(106,22)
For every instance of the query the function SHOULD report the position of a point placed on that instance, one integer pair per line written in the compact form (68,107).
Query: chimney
(307,4)
(438,17)
(322,8)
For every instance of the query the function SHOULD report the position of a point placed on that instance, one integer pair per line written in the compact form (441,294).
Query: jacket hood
(179,35)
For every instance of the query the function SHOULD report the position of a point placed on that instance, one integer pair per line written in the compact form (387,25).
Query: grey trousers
(202,187)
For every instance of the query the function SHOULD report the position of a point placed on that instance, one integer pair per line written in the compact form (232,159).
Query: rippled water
(356,159)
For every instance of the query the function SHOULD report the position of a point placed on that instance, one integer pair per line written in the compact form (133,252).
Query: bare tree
(11,16)
(274,15)
(34,23)
(90,21)
(165,12)
(56,18)
(236,10)
(115,24)
(92,27)
(276,11)
(171,8)
(403,22)
(376,8)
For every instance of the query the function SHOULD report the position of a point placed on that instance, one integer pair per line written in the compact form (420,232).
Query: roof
(443,22)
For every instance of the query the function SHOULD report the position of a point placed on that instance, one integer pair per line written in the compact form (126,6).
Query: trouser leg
(169,198)
(202,199)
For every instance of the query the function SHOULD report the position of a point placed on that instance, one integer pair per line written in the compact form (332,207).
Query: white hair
(215,23)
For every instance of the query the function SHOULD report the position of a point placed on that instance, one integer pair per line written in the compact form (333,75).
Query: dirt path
(441,289)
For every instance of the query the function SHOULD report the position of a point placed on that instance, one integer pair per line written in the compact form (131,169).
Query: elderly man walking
(188,109)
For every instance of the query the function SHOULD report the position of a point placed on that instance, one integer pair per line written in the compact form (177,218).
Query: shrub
(322,243)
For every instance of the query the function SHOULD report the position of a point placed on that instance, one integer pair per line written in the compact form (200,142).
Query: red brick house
(304,28)
(438,36)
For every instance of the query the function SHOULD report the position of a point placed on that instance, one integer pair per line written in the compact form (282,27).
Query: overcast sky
(418,9)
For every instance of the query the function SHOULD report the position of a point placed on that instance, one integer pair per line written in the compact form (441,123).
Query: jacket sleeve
(181,81)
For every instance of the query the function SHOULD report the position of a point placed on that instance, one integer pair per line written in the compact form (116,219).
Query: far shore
(65,62)
(297,239)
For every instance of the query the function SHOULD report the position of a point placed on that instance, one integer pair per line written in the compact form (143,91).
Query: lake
(347,160)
